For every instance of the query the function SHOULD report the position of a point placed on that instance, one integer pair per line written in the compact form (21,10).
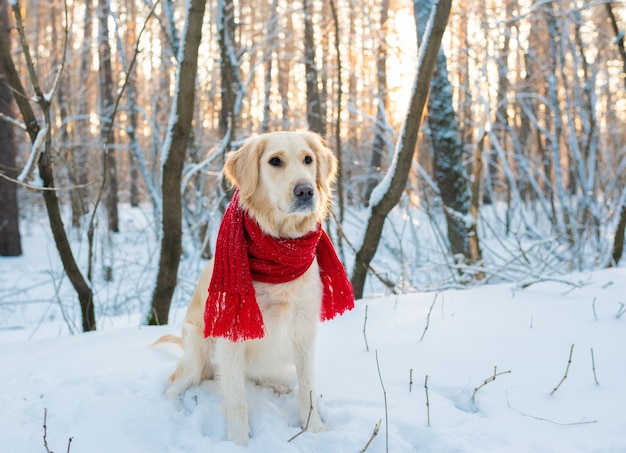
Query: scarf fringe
(233,316)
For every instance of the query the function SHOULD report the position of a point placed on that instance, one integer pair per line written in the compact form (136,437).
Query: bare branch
(374,434)
(488,380)
(569,362)
(386,409)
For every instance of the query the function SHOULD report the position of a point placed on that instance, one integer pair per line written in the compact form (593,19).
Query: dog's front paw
(313,423)
(175,397)
(238,433)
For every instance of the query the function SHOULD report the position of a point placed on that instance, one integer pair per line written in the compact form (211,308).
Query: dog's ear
(326,162)
(242,166)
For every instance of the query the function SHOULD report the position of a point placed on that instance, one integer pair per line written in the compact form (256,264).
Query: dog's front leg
(231,361)
(305,369)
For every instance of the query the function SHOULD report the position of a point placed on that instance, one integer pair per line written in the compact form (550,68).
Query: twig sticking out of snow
(374,434)
(386,410)
(428,317)
(593,307)
(593,367)
(488,380)
(45,434)
(569,362)
(621,311)
(308,418)
(367,347)
(410,379)
(427,400)
(45,430)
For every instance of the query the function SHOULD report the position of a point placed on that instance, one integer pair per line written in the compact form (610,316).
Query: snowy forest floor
(105,389)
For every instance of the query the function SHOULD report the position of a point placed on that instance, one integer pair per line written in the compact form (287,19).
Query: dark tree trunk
(618,241)
(132,114)
(106,109)
(10,240)
(314,110)
(449,172)
(387,194)
(230,85)
(448,159)
(179,137)
(83,290)
(82,136)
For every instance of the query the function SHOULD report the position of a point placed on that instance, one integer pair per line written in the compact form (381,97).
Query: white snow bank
(105,389)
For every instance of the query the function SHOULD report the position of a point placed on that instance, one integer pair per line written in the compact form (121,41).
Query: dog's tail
(169,343)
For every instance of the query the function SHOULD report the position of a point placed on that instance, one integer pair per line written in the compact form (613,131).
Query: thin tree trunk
(284,74)
(131,38)
(175,150)
(555,139)
(338,148)
(230,84)
(105,74)
(10,239)
(33,129)
(618,241)
(389,191)
(313,100)
(83,136)
(269,54)
(379,145)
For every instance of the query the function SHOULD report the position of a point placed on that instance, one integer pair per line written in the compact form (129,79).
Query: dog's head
(284,180)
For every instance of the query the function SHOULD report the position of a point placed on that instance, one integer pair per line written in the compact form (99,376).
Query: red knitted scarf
(244,253)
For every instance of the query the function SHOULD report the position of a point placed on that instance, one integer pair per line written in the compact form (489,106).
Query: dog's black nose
(303,192)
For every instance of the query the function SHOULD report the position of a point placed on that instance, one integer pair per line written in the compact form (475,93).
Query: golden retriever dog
(283,182)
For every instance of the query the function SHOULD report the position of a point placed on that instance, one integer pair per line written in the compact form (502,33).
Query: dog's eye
(308,160)
(275,162)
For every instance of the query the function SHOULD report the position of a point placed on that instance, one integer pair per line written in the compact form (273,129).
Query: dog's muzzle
(303,197)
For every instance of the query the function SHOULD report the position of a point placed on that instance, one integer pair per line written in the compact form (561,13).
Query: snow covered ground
(105,389)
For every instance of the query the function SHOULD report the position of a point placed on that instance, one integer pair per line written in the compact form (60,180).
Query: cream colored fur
(290,310)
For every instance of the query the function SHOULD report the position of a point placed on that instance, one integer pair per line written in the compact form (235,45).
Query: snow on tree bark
(389,191)
(175,150)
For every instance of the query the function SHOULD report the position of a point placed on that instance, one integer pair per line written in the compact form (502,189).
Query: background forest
(517,170)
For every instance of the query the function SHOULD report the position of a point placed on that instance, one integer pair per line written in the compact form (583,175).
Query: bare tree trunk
(380,128)
(338,148)
(10,239)
(389,191)
(33,129)
(554,140)
(448,160)
(175,150)
(131,38)
(82,135)
(502,116)
(230,83)
(448,168)
(105,73)
(284,74)
(269,53)
(618,241)
(314,110)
